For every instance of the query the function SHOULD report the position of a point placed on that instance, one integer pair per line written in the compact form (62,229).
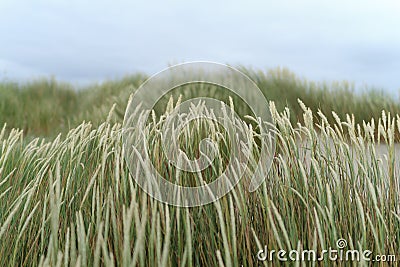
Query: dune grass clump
(71,201)
(47,107)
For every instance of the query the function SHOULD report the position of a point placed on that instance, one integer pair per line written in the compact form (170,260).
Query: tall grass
(47,107)
(72,202)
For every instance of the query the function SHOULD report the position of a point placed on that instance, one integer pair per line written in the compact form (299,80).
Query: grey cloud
(78,40)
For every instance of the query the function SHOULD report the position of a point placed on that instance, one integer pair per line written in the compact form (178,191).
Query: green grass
(69,200)
(47,107)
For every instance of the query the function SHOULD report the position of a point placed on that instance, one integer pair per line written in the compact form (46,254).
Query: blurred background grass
(46,107)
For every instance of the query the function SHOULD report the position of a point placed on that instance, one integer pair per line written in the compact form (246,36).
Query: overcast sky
(82,41)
